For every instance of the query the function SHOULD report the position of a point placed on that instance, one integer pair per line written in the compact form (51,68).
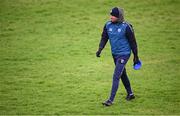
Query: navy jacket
(121,37)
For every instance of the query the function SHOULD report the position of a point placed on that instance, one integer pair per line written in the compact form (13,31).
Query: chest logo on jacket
(119,30)
(110,29)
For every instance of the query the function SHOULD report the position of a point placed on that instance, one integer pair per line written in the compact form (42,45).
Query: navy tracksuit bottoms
(120,72)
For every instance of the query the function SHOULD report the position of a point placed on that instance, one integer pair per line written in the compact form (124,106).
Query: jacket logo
(119,30)
(110,29)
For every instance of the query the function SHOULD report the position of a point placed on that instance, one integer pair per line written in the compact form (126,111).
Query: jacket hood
(119,13)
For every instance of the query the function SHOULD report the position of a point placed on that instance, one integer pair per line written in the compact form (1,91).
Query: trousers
(120,73)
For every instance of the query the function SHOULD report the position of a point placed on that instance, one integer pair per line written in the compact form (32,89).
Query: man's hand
(136,59)
(98,53)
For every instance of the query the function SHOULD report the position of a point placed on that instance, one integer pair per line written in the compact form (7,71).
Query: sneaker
(107,103)
(130,97)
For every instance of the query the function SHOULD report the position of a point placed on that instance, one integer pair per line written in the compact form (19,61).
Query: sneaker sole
(104,104)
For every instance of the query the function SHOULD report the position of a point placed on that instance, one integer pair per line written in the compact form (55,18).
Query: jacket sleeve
(131,39)
(104,39)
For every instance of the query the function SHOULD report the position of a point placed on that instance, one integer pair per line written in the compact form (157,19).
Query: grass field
(48,63)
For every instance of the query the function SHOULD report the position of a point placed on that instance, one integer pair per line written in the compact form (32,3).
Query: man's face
(113,18)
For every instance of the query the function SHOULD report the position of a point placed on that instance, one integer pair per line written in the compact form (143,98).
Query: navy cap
(115,12)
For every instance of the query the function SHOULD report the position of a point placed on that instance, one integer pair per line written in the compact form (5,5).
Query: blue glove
(137,65)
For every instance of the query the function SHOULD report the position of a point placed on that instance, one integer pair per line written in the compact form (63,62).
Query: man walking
(122,40)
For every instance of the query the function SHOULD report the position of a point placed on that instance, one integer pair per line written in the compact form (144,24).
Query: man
(122,41)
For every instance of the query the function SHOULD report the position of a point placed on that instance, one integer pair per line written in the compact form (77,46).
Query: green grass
(48,63)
